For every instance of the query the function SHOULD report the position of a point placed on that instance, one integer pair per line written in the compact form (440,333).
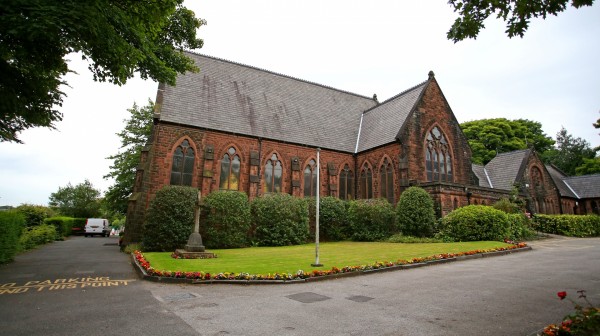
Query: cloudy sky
(552,75)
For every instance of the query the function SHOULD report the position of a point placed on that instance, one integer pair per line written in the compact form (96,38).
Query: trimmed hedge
(11,225)
(476,222)
(63,225)
(170,218)
(568,225)
(520,227)
(372,219)
(279,220)
(78,225)
(37,235)
(225,220)
(333,218)
(415,214)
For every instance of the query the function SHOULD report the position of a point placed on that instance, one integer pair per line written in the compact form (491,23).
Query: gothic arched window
(183,164)
(438,161)
(310,179)
(366,183)
(346,183)
(386,181)
(536,177)
(273,175)
(230,171)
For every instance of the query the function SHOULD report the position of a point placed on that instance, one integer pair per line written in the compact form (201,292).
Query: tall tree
(488,137)
(570,152)
(80,201)
(133,138)
(516,14)
(119,37)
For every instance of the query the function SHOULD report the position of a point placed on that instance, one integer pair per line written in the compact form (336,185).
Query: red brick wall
(544,197)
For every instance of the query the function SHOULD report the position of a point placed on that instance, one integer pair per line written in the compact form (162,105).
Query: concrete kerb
(145,276)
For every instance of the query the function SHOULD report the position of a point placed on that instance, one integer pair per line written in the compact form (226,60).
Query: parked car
(97,226)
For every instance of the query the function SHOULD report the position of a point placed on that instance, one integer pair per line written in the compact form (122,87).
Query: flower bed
(303,276)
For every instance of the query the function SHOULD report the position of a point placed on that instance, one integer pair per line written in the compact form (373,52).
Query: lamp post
(317,263)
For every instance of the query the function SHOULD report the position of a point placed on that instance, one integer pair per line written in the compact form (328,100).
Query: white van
(97,226)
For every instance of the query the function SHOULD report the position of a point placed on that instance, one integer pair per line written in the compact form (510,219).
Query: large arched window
(438,161)
(536,177)
(346,183)
(273,175)
(230,171)
(310,179)
(366,183)
(386,181)
(183,165)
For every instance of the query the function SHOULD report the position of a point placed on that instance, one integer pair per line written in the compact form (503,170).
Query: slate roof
(558,178)
(482,175)
(504,168)
(381,124)
(236,98)
(586,186)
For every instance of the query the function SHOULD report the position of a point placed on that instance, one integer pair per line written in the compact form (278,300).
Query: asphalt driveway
(507,295)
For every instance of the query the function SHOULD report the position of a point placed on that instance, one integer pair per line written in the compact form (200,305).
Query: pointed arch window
(438,161)
(310,179)
(366,183)
(183,164)
(230,170)
(346,183)
(536,177)
(386,181)
(273,175)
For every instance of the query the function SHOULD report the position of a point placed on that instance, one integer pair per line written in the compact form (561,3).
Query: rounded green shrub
(34,214)
(333,219)
(520,227)
(476,222)
(225,220)
(279,220)
(170,218)
(504,204)
(372,219)
(11,226)
(37,235)
(415,214)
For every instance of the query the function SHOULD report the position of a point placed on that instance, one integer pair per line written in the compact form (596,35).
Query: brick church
(236,127)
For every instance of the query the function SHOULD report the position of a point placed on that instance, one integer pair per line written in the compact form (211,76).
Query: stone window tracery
(366,182)
(346,183)
(310,179)
(183,164)
(230,170)
(273,175)
(386,181)
(438,160)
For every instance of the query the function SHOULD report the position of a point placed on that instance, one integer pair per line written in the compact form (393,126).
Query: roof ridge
(396,96)
(579,176)
(280,74)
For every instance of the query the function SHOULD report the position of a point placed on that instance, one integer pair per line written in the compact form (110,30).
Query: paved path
(507,295)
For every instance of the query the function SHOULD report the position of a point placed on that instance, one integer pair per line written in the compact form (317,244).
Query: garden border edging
(145,276)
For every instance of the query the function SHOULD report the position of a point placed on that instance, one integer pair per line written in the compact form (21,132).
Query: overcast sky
(552,75)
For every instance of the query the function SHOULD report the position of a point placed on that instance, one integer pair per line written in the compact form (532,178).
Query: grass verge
(290,259)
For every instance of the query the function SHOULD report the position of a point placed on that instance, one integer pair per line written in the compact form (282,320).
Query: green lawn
(290,259)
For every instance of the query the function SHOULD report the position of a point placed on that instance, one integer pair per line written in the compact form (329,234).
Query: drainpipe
(259,165)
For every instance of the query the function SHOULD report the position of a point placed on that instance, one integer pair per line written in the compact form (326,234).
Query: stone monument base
(183,254)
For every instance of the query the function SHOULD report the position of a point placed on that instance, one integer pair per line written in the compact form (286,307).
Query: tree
(134,136)
(589,166)
(516,13)
(80,201)
(119,37)
(488,137)
(570,152)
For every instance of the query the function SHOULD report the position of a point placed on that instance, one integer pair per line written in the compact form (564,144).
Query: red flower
(562,295)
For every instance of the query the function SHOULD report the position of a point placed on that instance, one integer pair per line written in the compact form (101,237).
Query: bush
(476,222)
(34,214)
(63,225)
(504,204)
(520,227)
(280,219)
(170,219)
(371,220)
(78,225)
(399,238)
(415,215)
(225,220)
(568,225)
(333,219)
(11,225)
(37,235)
